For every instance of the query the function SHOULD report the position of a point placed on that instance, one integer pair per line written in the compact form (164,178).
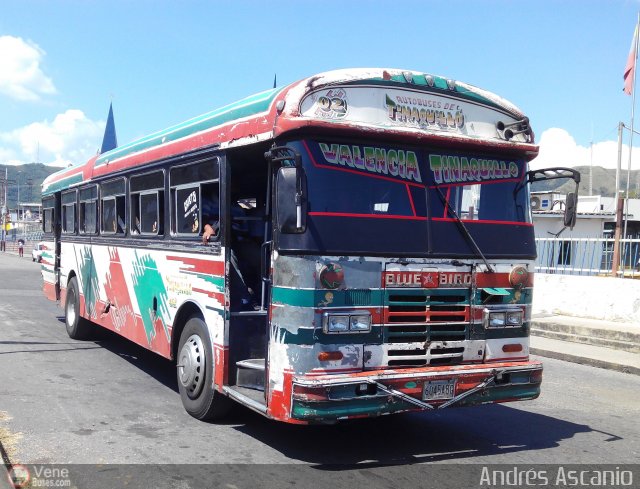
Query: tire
(195,372)
(78,328)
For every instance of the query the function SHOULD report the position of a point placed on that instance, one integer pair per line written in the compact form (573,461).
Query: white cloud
(558,148)
(21,76)
(70,138)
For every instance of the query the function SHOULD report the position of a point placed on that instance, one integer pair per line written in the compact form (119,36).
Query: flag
(630,68)
(109,140)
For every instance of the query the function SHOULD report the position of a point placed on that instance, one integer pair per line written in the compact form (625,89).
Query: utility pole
(591,167)
(3,210)
(616,238)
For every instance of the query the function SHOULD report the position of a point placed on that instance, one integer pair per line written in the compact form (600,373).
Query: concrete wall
(607,298)
(585,227)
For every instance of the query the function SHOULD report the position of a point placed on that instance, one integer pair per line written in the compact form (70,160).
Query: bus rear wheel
(195,372)
(78,328)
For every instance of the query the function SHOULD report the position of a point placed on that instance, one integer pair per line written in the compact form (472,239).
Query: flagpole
(633,109)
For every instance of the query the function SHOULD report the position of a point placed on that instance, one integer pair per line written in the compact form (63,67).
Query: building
(588,247)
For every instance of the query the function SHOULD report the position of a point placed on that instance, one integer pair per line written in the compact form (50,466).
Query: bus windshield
(393,200)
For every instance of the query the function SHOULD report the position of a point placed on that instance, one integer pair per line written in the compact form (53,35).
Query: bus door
(57,230)
(248,248)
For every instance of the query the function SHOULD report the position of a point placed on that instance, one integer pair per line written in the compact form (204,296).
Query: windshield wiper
(465,231)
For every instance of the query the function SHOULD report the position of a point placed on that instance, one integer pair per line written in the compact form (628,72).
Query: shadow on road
(448,435)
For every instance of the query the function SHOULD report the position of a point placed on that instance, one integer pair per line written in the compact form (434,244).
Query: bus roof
(369,100)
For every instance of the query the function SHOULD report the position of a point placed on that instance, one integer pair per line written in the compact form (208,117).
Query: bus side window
(48,205)
(150,205)
(194,198)
(87,215)
(109,215)
(147,203)
(113,207)
(135,214)
(47,221)
(69,212)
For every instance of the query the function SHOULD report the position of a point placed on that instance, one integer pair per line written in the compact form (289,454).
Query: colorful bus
(354,244)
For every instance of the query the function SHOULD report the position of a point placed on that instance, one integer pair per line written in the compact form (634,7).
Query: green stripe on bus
(212,279)
(327,298)
(63,184)
(440,85)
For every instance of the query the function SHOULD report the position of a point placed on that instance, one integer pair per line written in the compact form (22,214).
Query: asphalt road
(109,401)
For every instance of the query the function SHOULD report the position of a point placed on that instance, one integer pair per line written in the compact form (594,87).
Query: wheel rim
(191,366)
(71,308)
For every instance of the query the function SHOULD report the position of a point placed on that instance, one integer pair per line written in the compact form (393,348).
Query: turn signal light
(327,356)
(512,348)
(536,376)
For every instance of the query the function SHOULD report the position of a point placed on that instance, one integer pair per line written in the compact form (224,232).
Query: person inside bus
(136,226)
(210,215)
(243,276)
(210,229)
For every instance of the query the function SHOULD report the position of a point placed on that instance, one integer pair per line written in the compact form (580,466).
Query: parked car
(36,253)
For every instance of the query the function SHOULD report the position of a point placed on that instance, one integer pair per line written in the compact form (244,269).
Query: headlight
(511,318)
(346,323)
(514,318)
(496,319)
(360,323)
(337,324)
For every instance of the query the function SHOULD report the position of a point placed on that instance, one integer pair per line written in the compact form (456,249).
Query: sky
(160,62)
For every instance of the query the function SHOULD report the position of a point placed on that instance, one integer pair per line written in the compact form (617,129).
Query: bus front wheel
(195,372)
(77,326)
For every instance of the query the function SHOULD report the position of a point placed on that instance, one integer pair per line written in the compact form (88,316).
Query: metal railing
(587,256)
(28,231)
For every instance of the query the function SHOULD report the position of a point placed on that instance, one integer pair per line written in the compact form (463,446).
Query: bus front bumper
(329,398)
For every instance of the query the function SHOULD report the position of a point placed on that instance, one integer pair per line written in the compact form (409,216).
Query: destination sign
(405,109)
(458,169)
(394,162)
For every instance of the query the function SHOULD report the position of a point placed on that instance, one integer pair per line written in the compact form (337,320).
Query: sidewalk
(603,344)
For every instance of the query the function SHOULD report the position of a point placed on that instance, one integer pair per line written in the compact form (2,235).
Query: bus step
(250,373)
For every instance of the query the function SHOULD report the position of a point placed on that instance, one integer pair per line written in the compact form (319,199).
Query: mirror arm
(279,154)
(553,174)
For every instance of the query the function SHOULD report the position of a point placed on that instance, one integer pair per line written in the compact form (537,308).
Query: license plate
(438,390)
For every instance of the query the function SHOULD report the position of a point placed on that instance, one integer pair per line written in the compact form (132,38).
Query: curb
(5,465)
(604,330)
(592,362)
(632,346)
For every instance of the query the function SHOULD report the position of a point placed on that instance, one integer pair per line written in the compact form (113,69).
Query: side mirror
(571,210)
(291,200)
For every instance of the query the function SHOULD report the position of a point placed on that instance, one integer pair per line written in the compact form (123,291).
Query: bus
(355,244)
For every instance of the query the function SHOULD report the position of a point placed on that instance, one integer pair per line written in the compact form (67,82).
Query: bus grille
(426,327)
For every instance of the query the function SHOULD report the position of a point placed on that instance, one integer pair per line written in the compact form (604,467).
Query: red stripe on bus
(483,182)
(198,265)
(413,207)
(371,216)
(483,221)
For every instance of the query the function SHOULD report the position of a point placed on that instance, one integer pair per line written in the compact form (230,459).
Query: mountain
(604,182)
(25,180)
